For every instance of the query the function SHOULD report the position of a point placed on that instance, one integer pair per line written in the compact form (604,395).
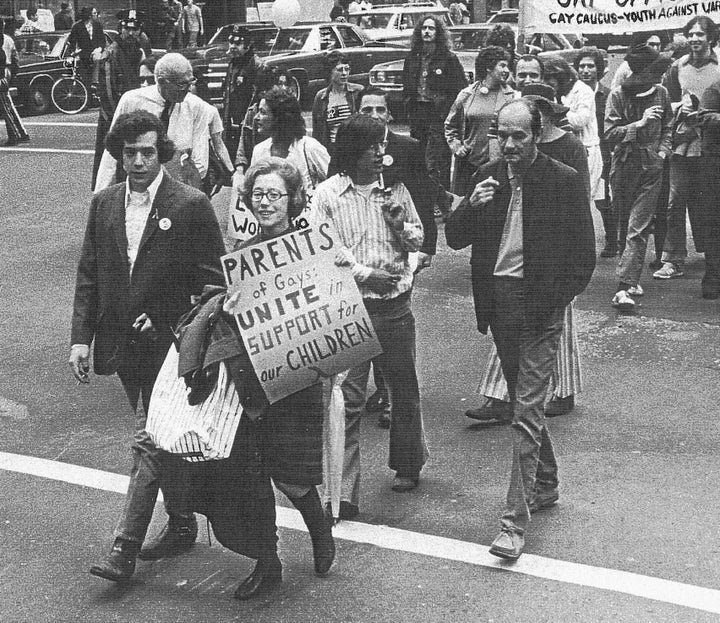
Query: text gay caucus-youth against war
(301,317)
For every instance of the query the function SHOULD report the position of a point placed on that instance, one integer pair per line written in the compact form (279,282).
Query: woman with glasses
(280,119)
(282,441)
(336,102)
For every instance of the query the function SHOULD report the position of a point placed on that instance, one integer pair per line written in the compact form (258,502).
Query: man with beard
(119,73)
(533,251)
(239,84)
(432,78)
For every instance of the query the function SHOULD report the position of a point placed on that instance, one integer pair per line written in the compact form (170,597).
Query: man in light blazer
(150,244)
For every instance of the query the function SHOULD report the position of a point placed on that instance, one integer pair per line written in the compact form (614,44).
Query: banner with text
(301,317)
(242,224)
(611,16)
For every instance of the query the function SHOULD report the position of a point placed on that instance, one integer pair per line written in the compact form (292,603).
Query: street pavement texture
(633,538)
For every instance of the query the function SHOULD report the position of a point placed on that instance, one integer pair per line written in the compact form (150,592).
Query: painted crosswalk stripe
(647,587)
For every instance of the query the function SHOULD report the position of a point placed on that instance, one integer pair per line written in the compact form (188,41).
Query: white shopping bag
(202,432)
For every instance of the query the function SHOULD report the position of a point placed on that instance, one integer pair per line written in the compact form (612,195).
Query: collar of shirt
(699,62)
(151,190)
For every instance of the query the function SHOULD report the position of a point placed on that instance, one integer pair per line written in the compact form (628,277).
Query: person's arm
(671,81)
(580,245)
(206,245)
(319,123)
(582,109)
(462,226)
(666,122)
(709,112)
(618,129)
(403,220)
(454,123)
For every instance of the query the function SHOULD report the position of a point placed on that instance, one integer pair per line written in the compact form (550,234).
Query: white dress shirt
(138,207)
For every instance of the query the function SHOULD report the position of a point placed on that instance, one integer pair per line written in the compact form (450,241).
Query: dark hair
(442,40)
(294,183)
(502,36)
(85,13)
(532,108)
(488,58)
(31,10)
(593,53)
(708,26)
(355,135)
(560,69)
(332,60)
(288,122)
(532,58)
(131,125)
(371,90)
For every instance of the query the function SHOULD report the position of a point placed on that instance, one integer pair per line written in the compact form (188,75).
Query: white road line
(67,124)
(43,150)
(658,589)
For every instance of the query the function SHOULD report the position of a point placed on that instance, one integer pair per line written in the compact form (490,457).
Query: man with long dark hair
(432,78)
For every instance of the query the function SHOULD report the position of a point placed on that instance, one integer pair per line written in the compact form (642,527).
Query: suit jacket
(178,254)
(408,167)
(80,38)
(558,237)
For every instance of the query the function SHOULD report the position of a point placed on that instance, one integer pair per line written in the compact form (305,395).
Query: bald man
(182,115)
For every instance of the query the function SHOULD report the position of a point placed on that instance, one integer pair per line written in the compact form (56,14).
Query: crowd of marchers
(513,164)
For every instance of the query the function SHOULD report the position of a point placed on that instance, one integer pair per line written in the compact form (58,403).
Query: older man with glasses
(181,112)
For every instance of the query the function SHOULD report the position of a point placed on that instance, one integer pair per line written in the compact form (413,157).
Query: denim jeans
(527,354)
(636,188)
(688,183)
(395,328)
(145,472)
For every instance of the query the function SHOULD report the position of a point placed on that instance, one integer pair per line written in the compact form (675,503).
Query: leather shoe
(559,406)
(508,545)
(540,500)
(177,537)
(348,511)
(493,411)
(401,484)
(323,547)
(377,403)
(266,576)
(120,564)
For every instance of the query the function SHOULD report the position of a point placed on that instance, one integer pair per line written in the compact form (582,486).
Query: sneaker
(622,301)
(508,545)
(635,290)
(668,271)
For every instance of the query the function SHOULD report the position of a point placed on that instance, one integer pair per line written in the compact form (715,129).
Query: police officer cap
(239,35)
(130,18)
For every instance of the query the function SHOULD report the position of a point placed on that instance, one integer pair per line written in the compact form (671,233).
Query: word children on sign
(301,317)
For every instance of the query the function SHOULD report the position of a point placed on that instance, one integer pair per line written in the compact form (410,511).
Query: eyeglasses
(147,79)
(272,195)
(653,44)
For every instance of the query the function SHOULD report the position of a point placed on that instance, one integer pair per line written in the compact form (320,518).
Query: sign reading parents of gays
(611,16)
(301,317)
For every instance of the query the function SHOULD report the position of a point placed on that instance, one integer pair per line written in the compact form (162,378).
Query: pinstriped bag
(202,432)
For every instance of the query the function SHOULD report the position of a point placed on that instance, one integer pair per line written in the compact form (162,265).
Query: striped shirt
(362,229)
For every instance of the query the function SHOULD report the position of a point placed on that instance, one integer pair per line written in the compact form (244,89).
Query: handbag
(201,432)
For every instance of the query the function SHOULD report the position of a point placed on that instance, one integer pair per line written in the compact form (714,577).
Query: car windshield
(291,40)
(44,45)
(469,39)
(262,39)
(372,20)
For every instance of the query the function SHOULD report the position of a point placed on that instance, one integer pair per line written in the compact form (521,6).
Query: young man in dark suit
(533,250)
(150,244)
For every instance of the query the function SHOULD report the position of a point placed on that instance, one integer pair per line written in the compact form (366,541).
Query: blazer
(80,38)
(408,166)
(179,253)
(558,237)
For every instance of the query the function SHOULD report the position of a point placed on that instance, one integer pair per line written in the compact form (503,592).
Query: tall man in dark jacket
(150,244)
(432,78)
(88,40)
(533,250)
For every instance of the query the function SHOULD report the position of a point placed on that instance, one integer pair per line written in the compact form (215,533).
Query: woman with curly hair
(279,117)
(472,113)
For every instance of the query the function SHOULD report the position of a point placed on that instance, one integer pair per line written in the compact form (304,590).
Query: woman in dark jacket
(336,102)
(282,441)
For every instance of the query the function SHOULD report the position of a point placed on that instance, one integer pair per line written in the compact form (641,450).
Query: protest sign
(611,16)
(301,317)
(242,224)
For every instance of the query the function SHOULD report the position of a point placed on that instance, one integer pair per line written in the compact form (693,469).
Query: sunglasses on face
(147,80)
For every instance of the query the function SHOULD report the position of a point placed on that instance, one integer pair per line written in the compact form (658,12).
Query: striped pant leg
(492,384)
(15,128)
(567,374)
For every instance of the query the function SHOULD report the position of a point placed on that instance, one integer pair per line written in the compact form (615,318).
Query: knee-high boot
(319,524)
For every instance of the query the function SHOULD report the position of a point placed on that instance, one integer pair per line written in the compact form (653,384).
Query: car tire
(38,100)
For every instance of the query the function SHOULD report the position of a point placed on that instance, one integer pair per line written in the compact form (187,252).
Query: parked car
(466,41)
(41,57)
(396,22)
(300,50)
(511,16)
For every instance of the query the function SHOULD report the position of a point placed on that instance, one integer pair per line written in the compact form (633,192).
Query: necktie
(165,115)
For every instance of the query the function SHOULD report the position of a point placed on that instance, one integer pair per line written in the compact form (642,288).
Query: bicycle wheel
(69,95)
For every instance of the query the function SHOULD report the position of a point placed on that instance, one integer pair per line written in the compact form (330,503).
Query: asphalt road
(634,537)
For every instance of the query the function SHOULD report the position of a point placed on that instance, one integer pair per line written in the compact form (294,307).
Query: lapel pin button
(165,224)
